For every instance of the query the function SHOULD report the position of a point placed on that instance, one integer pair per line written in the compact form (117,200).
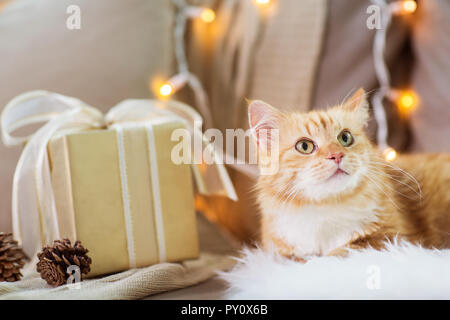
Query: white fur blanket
(402,271)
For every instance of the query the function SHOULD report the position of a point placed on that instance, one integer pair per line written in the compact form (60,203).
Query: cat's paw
(296,259)
(339,252)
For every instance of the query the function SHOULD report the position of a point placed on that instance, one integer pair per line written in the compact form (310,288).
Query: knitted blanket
(134,283)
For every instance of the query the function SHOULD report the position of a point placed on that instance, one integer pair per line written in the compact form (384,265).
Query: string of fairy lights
(164,89)
(405,100)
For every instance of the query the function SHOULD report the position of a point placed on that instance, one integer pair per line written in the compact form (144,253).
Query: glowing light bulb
(166,90)
(262,2)
(390,154)
(403,6)
(409,6)
(407,101)
(207,15)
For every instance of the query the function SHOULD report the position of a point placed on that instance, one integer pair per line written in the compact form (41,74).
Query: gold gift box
(88,184)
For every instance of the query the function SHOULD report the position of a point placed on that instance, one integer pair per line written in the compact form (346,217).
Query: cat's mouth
(338,172)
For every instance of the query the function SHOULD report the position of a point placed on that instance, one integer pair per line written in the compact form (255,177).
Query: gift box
(123,198)
(108,181)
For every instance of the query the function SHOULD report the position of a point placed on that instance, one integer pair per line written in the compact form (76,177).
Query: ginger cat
(333,190)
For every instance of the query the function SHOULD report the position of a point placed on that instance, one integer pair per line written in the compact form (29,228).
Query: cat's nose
(336,156)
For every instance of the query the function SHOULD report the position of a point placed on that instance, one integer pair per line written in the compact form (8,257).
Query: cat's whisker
(283,192)
(292,195)
(347,95)
(356,162)
(376,165)
(292,192)
(350,101)
(392,177)
(318,174)
(396,191)
(381,189)
(400,170)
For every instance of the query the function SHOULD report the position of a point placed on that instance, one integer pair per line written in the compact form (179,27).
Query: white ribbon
(156,194)
(32,189)
(31,184)
(126,197)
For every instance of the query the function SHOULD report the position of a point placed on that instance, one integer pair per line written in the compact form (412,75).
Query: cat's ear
(263,119)
(358,104)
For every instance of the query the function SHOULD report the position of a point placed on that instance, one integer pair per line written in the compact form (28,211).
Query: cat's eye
(305,146)
(345,138)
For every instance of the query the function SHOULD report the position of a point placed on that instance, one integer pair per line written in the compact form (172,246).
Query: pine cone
(54,261)
(11,258)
